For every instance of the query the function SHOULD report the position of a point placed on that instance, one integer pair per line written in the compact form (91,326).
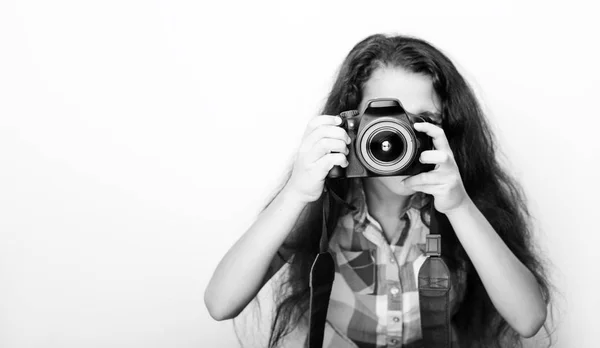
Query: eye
(433,117)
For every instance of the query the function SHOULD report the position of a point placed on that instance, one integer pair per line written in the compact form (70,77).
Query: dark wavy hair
(495,193)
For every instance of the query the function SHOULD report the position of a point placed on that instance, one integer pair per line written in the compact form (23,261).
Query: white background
(139,139)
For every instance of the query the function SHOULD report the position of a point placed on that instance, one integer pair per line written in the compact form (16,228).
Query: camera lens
(387,146)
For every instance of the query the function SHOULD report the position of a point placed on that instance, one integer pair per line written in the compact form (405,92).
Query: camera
(383,141)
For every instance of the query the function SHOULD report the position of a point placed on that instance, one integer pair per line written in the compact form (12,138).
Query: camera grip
(348,125)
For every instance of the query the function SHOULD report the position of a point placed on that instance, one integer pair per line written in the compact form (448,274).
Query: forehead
(415,91)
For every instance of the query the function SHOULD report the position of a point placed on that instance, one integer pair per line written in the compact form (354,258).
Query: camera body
(383,141)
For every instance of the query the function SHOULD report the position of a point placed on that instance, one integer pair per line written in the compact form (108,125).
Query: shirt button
(393,341)
(396,319)
(394,291)
(393,260)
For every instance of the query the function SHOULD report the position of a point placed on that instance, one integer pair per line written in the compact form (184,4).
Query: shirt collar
(356,196)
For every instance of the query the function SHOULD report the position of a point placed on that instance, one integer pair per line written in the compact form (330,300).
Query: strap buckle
(433,247)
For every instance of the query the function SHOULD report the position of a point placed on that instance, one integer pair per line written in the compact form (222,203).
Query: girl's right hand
(323,146)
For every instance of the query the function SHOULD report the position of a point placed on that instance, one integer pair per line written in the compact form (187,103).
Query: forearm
(239,276)
(512,288)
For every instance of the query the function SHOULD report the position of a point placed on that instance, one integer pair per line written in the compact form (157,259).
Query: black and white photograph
(299,174)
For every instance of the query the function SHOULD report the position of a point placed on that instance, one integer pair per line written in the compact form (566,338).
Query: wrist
(291,197)
(463,208)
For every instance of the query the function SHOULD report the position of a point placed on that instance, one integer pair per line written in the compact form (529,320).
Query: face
(415,92)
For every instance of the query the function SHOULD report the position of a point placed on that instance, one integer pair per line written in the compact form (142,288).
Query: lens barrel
(386,146)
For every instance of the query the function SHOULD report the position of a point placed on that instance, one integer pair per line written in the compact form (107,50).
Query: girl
(499,288)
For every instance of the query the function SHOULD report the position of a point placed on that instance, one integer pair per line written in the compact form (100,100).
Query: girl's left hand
(443,182)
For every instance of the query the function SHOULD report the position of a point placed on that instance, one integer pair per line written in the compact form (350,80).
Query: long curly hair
(495,193)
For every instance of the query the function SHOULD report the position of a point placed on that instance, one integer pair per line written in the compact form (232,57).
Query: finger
(426,178)
(429,189)
(439,137)
(322,120)
(325,146)
(433,157)
(326,131)
(325,163)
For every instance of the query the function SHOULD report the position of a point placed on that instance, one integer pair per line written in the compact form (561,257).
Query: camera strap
(321,278)
(434,285)
(434,290)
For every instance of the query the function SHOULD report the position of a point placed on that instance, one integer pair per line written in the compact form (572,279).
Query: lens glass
(387,146)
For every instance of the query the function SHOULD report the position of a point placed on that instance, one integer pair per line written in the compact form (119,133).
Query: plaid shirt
(374,301)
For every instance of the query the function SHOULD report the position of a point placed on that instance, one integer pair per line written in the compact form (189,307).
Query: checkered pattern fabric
(374,300)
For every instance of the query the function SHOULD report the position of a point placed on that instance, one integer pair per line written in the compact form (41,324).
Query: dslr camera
(383,141)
